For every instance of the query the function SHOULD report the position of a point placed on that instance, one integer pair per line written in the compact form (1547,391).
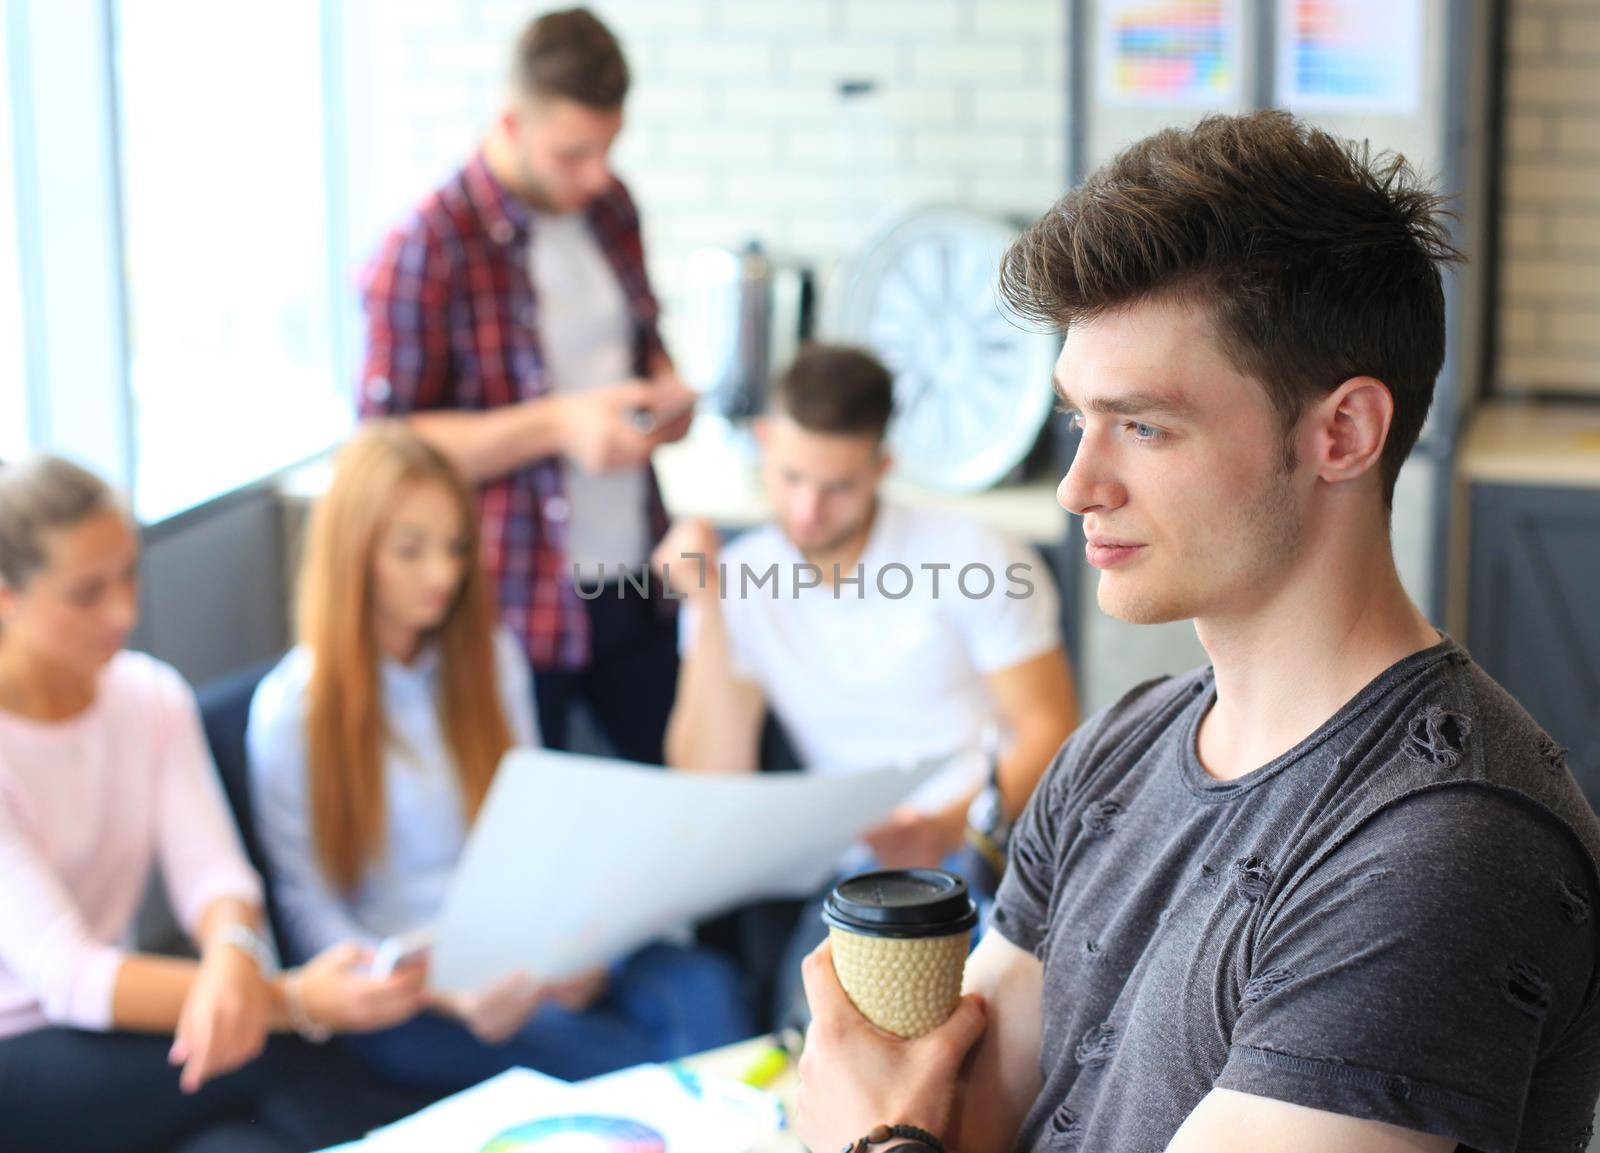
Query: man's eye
(1074,418)
(1145,432)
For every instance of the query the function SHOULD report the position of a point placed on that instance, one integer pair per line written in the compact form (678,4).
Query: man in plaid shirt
(510,320)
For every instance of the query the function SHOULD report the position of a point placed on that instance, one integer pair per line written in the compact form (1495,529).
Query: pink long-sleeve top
(87,806)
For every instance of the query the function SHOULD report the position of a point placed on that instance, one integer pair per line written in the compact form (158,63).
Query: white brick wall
(1550,227)
(735,126)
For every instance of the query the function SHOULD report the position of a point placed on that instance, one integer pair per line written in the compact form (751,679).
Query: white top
(863,677)
(87,805)
(426,823)
(586,334)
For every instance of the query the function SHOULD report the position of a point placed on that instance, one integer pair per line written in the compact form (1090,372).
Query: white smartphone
(395,952)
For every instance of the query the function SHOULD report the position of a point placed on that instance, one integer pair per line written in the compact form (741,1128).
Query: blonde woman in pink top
(104,775)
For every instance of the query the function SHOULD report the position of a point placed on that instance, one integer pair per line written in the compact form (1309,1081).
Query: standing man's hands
(225,1017)
(854,1076)
(596,429)
(672,406)
(686,558)
(617,427)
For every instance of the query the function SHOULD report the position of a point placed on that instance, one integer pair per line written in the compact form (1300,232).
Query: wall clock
(971,382)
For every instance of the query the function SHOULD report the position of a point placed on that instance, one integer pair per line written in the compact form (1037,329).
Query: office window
(13,365)
(226,244)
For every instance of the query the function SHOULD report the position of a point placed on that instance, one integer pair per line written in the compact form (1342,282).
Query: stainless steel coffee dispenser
(746,314)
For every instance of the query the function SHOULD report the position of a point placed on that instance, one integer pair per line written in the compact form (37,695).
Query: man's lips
(1107,552)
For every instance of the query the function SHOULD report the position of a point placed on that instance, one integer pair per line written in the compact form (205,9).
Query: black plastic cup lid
(901,903)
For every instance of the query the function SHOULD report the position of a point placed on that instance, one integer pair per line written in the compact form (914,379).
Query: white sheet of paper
(577,861)
(471,1118)
(690,1111)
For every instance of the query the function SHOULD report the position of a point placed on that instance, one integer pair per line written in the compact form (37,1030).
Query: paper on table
(472,1117)
(691,1110)
(576,861)
(645,1108)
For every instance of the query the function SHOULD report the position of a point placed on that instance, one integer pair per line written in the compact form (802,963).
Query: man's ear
(761,426)
(1352,426)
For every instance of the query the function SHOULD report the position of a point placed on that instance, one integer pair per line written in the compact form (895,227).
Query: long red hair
(345,730)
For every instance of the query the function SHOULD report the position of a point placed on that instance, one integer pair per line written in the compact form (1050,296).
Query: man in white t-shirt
(877,633)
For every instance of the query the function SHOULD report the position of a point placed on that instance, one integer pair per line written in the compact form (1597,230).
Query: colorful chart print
(1169,52)
(580,1134)
(1361,55)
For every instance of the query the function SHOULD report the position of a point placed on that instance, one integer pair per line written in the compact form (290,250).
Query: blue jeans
(65,1089)
(664,1002)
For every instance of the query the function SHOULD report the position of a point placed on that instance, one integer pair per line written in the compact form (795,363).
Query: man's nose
(1089,483)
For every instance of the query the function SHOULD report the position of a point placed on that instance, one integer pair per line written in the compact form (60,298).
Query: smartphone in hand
(405,949)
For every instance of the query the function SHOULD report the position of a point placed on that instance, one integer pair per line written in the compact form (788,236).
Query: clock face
(971,386)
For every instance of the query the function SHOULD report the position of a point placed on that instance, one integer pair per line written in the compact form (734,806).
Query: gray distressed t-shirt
(1395,920)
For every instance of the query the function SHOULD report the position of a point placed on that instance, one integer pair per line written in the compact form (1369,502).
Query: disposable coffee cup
(900,940)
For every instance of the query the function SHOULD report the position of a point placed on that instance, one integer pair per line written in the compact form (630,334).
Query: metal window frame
(11,89)
(68,206)
(63,96)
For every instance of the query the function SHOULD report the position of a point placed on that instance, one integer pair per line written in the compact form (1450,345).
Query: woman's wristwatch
(252,944)
(897,1139)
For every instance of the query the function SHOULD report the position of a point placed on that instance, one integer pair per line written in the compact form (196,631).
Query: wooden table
(1525,443)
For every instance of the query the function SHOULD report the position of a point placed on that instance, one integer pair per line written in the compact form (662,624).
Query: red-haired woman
(372,746)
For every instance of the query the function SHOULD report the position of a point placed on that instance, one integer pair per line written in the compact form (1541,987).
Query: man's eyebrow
(1128,404)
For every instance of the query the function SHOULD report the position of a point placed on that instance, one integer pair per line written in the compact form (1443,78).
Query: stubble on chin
(1126,602)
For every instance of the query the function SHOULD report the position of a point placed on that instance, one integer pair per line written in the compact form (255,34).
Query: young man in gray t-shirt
(1335,893)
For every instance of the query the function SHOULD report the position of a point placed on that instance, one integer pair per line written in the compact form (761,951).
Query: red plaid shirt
(452,323)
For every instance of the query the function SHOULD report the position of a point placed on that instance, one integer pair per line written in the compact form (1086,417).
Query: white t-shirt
(586,334)
(864,677)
